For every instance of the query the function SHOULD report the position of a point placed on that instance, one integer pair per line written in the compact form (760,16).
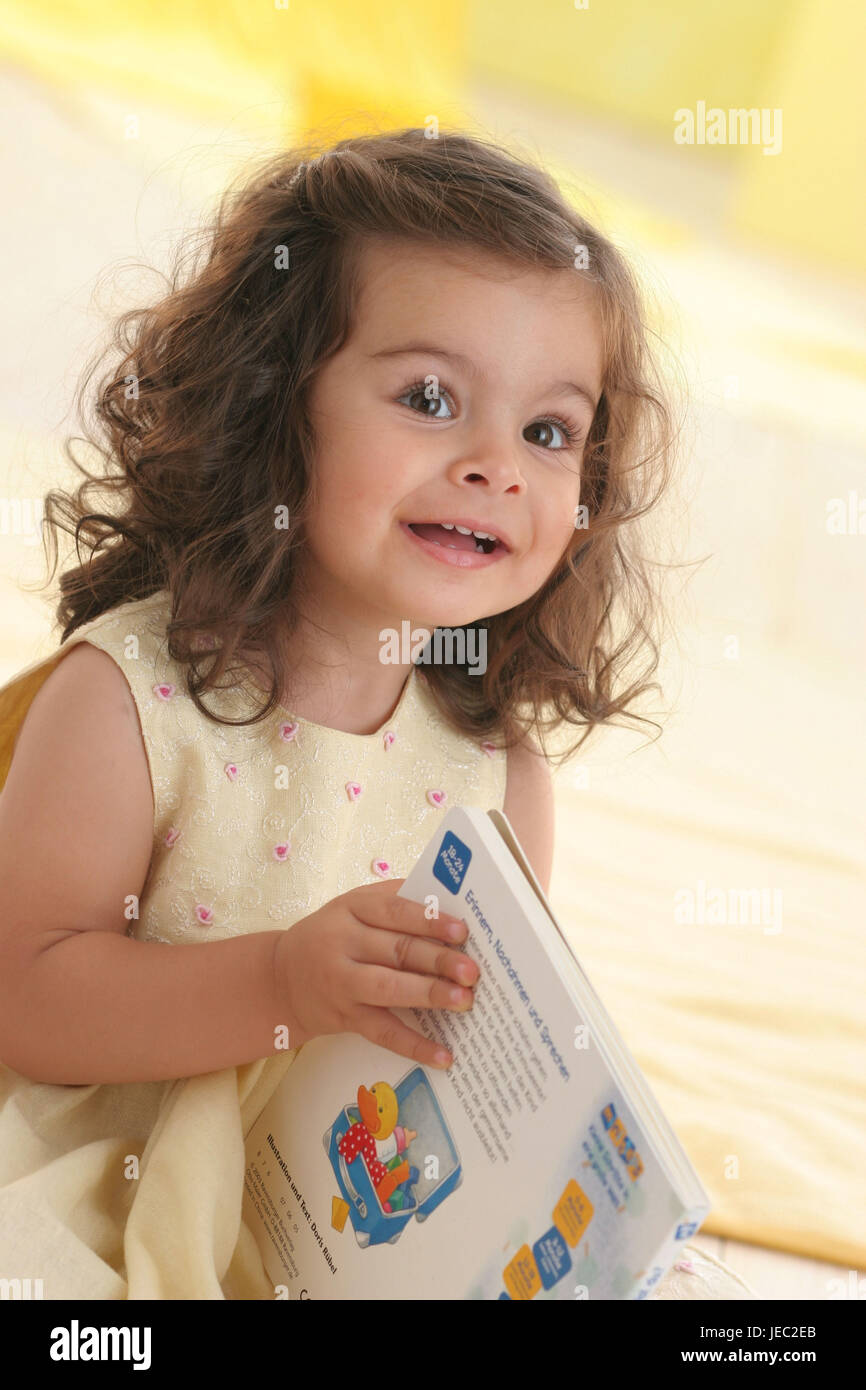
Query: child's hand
(343,968)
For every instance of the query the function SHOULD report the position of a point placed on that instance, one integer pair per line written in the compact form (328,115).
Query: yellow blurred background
(123,125)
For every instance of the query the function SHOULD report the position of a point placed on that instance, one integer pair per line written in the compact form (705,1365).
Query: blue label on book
(451,862)
(551,1257)
(686,1230)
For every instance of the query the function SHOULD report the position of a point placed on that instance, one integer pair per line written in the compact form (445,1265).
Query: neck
(337,681)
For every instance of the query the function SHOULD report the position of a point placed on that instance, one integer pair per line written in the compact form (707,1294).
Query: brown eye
(427,405)
(559,426)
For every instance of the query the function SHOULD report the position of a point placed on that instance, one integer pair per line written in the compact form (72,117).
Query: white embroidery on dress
(222,861)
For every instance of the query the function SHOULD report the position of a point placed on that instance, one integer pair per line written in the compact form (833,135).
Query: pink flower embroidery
(437,798)
(172,837)
(281,852)
(488,748)
(381,868)
(164,692)
(686,1265)
(354,790)
(204,914)
(288,731)
(388,739)
(231,771)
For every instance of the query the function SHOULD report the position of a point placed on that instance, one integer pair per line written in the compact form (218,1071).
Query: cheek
(350,513)
(346,485)
(556,525)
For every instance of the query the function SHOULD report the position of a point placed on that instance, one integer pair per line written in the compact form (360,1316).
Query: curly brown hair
(206,431)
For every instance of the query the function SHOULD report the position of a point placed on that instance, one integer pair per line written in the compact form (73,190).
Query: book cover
(538,1166)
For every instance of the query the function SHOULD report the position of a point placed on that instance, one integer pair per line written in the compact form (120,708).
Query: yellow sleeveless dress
(254,828)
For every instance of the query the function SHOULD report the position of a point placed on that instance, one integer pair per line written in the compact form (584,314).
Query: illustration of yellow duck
(379,1139)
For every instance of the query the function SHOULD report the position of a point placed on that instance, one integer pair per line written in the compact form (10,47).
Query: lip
(472,523)
(463,559)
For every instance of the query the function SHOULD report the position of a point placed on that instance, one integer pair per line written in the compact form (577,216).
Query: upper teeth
(467,531)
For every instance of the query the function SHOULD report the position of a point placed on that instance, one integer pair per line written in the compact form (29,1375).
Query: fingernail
(456,930)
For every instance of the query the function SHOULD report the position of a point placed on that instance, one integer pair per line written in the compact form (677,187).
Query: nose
(495,467)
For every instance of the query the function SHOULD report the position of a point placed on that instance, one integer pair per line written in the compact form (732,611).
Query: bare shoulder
(76,811)
(529,806)
(84,689)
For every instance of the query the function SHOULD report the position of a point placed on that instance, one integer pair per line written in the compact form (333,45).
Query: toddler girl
(407,389)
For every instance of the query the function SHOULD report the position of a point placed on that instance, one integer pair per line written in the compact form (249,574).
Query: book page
(518,1173)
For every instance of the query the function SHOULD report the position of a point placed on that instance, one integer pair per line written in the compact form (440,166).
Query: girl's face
(441,407)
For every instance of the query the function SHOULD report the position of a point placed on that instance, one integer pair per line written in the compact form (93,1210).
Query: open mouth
(454,538)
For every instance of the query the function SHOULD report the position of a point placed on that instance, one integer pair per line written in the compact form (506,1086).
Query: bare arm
(95,1006)
(81,1002)
(529,807)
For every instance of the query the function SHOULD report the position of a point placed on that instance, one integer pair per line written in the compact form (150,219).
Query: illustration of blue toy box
(432,1151)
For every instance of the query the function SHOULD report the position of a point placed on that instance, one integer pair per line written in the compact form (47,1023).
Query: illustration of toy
(379,1140)
(369,1149)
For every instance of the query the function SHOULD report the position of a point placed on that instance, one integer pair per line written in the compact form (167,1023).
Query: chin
(438,615)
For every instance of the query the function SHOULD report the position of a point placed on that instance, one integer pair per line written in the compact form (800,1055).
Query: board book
(539,1166)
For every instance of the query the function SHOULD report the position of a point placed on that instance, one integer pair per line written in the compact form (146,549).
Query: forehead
(510,319)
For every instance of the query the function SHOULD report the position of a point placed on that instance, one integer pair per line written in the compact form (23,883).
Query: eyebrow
(560,388)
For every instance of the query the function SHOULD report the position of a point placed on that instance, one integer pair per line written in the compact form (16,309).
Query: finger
(398,989)
(386,1030)
(392,913)
(401,951)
